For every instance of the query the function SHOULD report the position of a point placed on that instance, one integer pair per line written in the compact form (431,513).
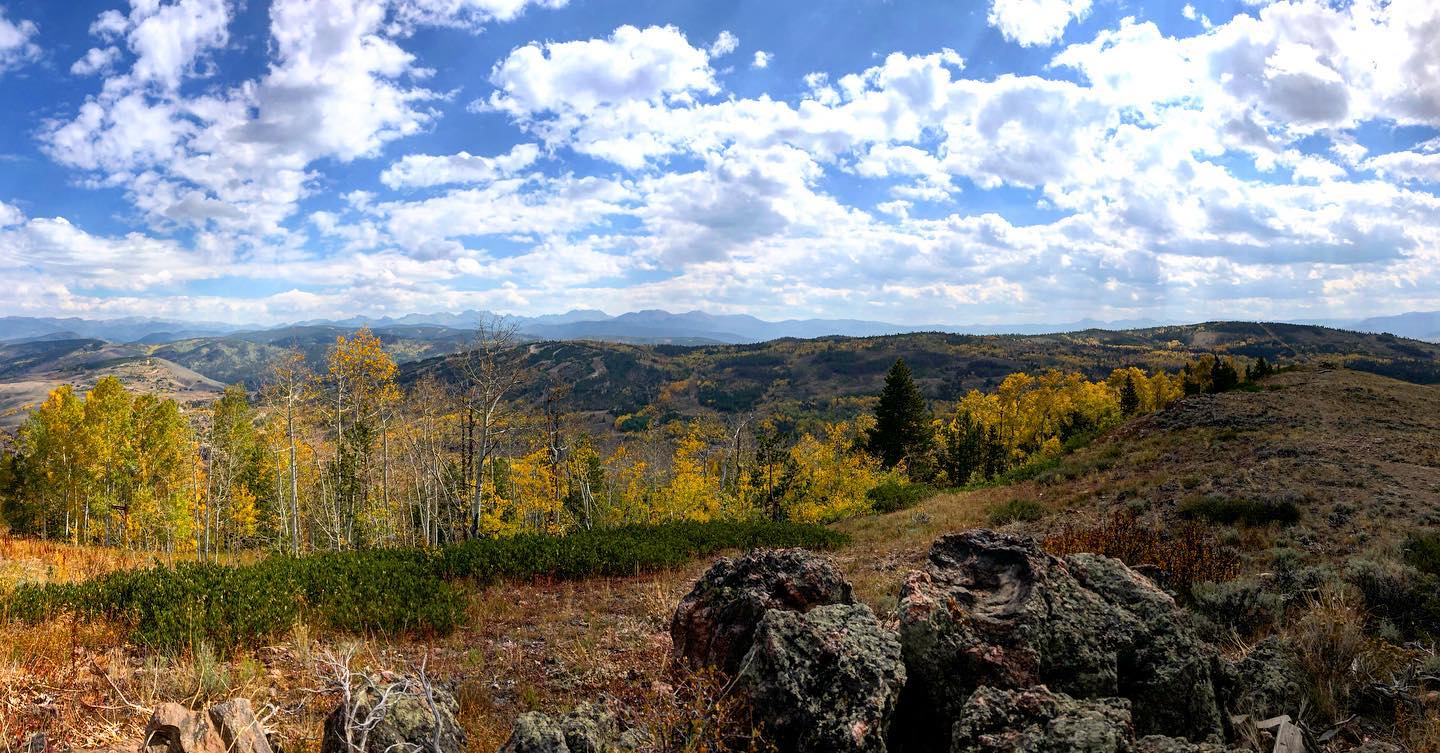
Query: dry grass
(1184,554)
(24,560)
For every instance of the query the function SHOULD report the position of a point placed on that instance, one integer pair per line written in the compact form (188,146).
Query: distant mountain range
(649,326)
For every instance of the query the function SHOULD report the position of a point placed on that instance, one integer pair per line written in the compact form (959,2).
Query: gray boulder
(714,625)
(408,720)
(587,729)
(1035,720)
(993,609)
(827,679)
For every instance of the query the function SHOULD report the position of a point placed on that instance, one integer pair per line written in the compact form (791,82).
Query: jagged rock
(408,722)
(1263,683)
(1170,676)
(994,610)
(228,727)
(715,624)
(1035,720)
(827,679)
(1162,744)
(587,729)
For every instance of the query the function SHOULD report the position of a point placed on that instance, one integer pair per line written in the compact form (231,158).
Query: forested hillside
(514,437)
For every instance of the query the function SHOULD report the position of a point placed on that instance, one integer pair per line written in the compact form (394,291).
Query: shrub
(1233,510)
(1397,593)
(1334,658)
(1016,510)
(386,590)
(1246,607)
(1185,554)
(1422,551)
(893,494)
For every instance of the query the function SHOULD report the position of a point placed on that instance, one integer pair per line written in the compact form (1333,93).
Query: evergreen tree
(1258,370)
(1129,396)
(902,420)
(1223,375)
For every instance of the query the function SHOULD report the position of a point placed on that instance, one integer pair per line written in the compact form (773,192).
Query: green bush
(891,495)
(1234,510)
(384,590)
(1422,551)
(1016,510)
(1247,607)
(1398,594)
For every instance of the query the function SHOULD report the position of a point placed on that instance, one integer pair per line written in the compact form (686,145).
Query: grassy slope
(1357,453)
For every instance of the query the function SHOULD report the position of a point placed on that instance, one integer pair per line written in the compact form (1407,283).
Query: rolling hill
(820,376)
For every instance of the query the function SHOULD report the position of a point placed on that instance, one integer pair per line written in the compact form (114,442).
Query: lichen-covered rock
(1170,676)
(992,609)
(410,720)
(827,679)
(714,624)
(1262,684)
(1035,720)
(1163,744)
(587,729)
(227,727)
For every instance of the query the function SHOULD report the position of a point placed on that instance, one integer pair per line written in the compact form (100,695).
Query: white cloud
(96,60)
(762,59)
(1178,174)
(420,170)
(654,64)
(1035,22)
(464,13)
(17,45)
(10,215)
(724,44)
(1418,166)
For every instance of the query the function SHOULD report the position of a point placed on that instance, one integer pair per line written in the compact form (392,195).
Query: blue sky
(916,162)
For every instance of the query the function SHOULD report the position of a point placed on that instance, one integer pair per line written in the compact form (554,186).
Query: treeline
(343,458)
(1028,417)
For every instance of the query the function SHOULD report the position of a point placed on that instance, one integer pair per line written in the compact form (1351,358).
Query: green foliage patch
(893,494)
(382,590)
(1016,510)
(1238,511)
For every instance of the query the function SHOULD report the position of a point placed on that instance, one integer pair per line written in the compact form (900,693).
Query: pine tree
(1223,376)
(1129,396)
(902,420)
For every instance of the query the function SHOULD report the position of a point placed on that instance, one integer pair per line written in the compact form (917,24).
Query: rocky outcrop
(1035,720)
(714,626)
(228,727)
(1262,685)
(587,729)
(993,610)
(396,717)
(827,679)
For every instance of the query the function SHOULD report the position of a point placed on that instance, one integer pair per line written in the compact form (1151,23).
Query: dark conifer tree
(1129,396)
(902,420)
(1223,375)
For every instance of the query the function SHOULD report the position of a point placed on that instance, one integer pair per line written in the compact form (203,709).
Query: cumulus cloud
(420,170)
(1153,173)
(724,44)
(17,45)
(762,59)
(1035,22)
(96,60)
(653,64)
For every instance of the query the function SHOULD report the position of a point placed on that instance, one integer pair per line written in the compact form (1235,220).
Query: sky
(911,161)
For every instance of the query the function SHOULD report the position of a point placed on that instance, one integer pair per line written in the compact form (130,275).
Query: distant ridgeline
(349,456)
